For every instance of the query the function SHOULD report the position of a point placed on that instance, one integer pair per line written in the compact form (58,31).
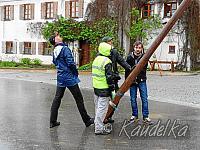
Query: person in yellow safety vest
(103,79)
(116,59)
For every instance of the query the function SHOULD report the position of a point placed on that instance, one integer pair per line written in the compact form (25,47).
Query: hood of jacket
(58,49)
(104,48)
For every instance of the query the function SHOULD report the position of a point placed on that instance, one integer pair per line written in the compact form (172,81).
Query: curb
(82,72)
(166,73)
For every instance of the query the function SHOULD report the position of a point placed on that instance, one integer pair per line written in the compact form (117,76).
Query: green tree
(141,29)
(72,30)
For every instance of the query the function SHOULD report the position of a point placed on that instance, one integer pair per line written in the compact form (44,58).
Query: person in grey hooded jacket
(67,76)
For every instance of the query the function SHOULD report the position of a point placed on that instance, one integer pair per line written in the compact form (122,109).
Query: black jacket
(133,60)
(112,73)
(115,57)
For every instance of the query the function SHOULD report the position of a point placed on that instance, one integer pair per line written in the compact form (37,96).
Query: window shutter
(21,47)
(12,12)
(43,10)
(33,48)
(32,11)
(67,9)
(15,47)
(81,8)
(40,48)
(55,9)
(2,13)
(3,47)
(21,11)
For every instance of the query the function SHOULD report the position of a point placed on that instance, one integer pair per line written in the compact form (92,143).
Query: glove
(113,94)
(117,77)
(111,87)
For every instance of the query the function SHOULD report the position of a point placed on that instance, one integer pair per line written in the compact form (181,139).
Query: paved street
(177,88)
(25,100)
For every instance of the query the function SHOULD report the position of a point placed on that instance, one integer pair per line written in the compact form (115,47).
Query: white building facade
(171,47)
(21,22)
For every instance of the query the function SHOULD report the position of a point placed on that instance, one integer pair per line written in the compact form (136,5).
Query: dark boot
(54,124)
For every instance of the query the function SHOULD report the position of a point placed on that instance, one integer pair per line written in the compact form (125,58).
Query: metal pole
(127,83)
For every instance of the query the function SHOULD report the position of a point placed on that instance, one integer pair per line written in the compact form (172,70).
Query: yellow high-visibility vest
(98,72)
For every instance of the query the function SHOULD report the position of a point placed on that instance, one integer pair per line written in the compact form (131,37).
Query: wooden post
(152,66)
(127,83)
(172,66)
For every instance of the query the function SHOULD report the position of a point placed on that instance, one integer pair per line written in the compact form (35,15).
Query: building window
(27,11)
(8,13)
(47,50)
(49,10)
(74,9)
(27,48)
(171,49)
(148,10)
(9,47)
(169,9)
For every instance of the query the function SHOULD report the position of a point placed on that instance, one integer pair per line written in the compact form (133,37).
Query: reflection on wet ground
(24,115)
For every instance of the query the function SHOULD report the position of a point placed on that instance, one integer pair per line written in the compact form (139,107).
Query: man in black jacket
(139,83)
(116,58)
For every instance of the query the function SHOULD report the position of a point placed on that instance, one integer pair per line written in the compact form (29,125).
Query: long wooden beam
(127,83)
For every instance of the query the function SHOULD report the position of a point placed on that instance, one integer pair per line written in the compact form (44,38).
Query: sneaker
(103,132)
(90,122)
(110,120)
(147,120)
(134,119)
(54,124)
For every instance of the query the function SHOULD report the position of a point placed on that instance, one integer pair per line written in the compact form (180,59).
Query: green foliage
(104,27)
(86,67)
(143,28)
(93,54)
(71,30)
(36,61)
(8,64)
(25,61)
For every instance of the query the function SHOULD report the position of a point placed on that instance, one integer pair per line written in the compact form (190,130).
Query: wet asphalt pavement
(24,125)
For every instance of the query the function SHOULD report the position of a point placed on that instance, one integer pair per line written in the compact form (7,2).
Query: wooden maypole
(127,83)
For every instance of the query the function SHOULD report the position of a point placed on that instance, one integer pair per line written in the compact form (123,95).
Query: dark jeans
(142,86)
(79,102)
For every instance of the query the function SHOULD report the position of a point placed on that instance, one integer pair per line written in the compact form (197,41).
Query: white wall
(16,30)
(162,52)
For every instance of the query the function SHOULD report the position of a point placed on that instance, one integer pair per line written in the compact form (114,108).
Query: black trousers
(75,91)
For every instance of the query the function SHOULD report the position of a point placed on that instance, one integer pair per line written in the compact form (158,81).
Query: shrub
(36,61)
(86,67)
(8,64)
(25,61)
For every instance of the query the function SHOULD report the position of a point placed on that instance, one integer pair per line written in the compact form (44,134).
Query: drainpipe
(122,24)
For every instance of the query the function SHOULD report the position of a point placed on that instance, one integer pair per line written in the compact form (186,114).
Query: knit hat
(106,39)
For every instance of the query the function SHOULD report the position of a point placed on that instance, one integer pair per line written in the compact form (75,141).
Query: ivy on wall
(71,30)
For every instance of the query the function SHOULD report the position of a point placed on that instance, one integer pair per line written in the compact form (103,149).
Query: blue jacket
(67,74)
